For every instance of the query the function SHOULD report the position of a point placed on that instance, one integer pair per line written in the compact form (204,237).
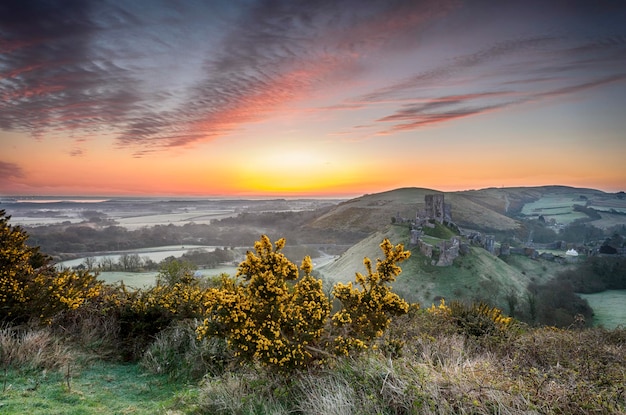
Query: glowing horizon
(296,99)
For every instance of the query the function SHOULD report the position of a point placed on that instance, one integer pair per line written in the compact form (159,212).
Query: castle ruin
(435,210)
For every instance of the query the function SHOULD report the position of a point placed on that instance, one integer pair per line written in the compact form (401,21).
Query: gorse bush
(281,318)
(477,319)
(272,314)
(366,311)
(30,288)
(143,314)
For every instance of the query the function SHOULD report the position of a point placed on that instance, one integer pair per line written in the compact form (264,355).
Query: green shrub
(177,352)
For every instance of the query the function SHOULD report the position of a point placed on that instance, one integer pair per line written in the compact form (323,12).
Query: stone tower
(435,207)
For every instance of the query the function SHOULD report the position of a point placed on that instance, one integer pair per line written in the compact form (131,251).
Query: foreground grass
(442,369)
(537,371)
(100,388)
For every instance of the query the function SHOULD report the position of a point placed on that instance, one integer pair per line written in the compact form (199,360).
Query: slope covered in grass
(371,213)
(476,276)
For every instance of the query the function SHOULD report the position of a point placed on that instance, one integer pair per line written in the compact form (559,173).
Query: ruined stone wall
(449,252)
(425,249)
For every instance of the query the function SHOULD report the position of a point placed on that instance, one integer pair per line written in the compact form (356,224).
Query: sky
(298,98)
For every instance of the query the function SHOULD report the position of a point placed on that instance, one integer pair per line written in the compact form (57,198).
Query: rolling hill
(478,275)
(485,210)
(475,276)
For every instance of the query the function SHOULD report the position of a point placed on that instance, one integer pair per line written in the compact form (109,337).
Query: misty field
(156,254)
(175,218)
(609,308)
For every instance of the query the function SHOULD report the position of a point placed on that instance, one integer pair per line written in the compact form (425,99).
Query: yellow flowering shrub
(440,310)
(180,300)
(269,314)
(366,310)
(30,287)
(53,292)
(15,269)
(143,313)
(478,319)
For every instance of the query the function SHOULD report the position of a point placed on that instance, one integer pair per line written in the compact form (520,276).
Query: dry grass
(32,349)
(536,371)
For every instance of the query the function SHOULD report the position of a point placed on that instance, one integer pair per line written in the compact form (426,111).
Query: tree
(175,270)
(90,263)
(130,262)
(107,263)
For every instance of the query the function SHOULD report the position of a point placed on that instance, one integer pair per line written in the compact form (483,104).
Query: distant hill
(370,213)
(487,210)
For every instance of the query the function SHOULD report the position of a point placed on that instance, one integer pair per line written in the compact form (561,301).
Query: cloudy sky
(325,97)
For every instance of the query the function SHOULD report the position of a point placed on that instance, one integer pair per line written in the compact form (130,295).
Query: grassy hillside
(476,276)
(442,369)
(371,213)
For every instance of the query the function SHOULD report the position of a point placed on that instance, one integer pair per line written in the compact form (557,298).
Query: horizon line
(288,196)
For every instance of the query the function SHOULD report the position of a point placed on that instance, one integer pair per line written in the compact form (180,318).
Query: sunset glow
(299,98)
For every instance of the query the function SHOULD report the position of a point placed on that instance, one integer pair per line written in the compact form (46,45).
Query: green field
(557,207)
(609,308)
(147,279)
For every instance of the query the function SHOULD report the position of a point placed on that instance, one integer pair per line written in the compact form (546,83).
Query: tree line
(133,262)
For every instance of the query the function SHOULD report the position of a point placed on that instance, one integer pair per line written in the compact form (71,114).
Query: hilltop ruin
(435,211)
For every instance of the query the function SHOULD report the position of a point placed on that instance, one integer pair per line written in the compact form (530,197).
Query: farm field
(148,279)
(174,218)
(560,208)
(130,279)
(609,308)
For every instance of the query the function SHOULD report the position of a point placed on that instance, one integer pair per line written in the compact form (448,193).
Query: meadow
(609,308)
(442,368)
